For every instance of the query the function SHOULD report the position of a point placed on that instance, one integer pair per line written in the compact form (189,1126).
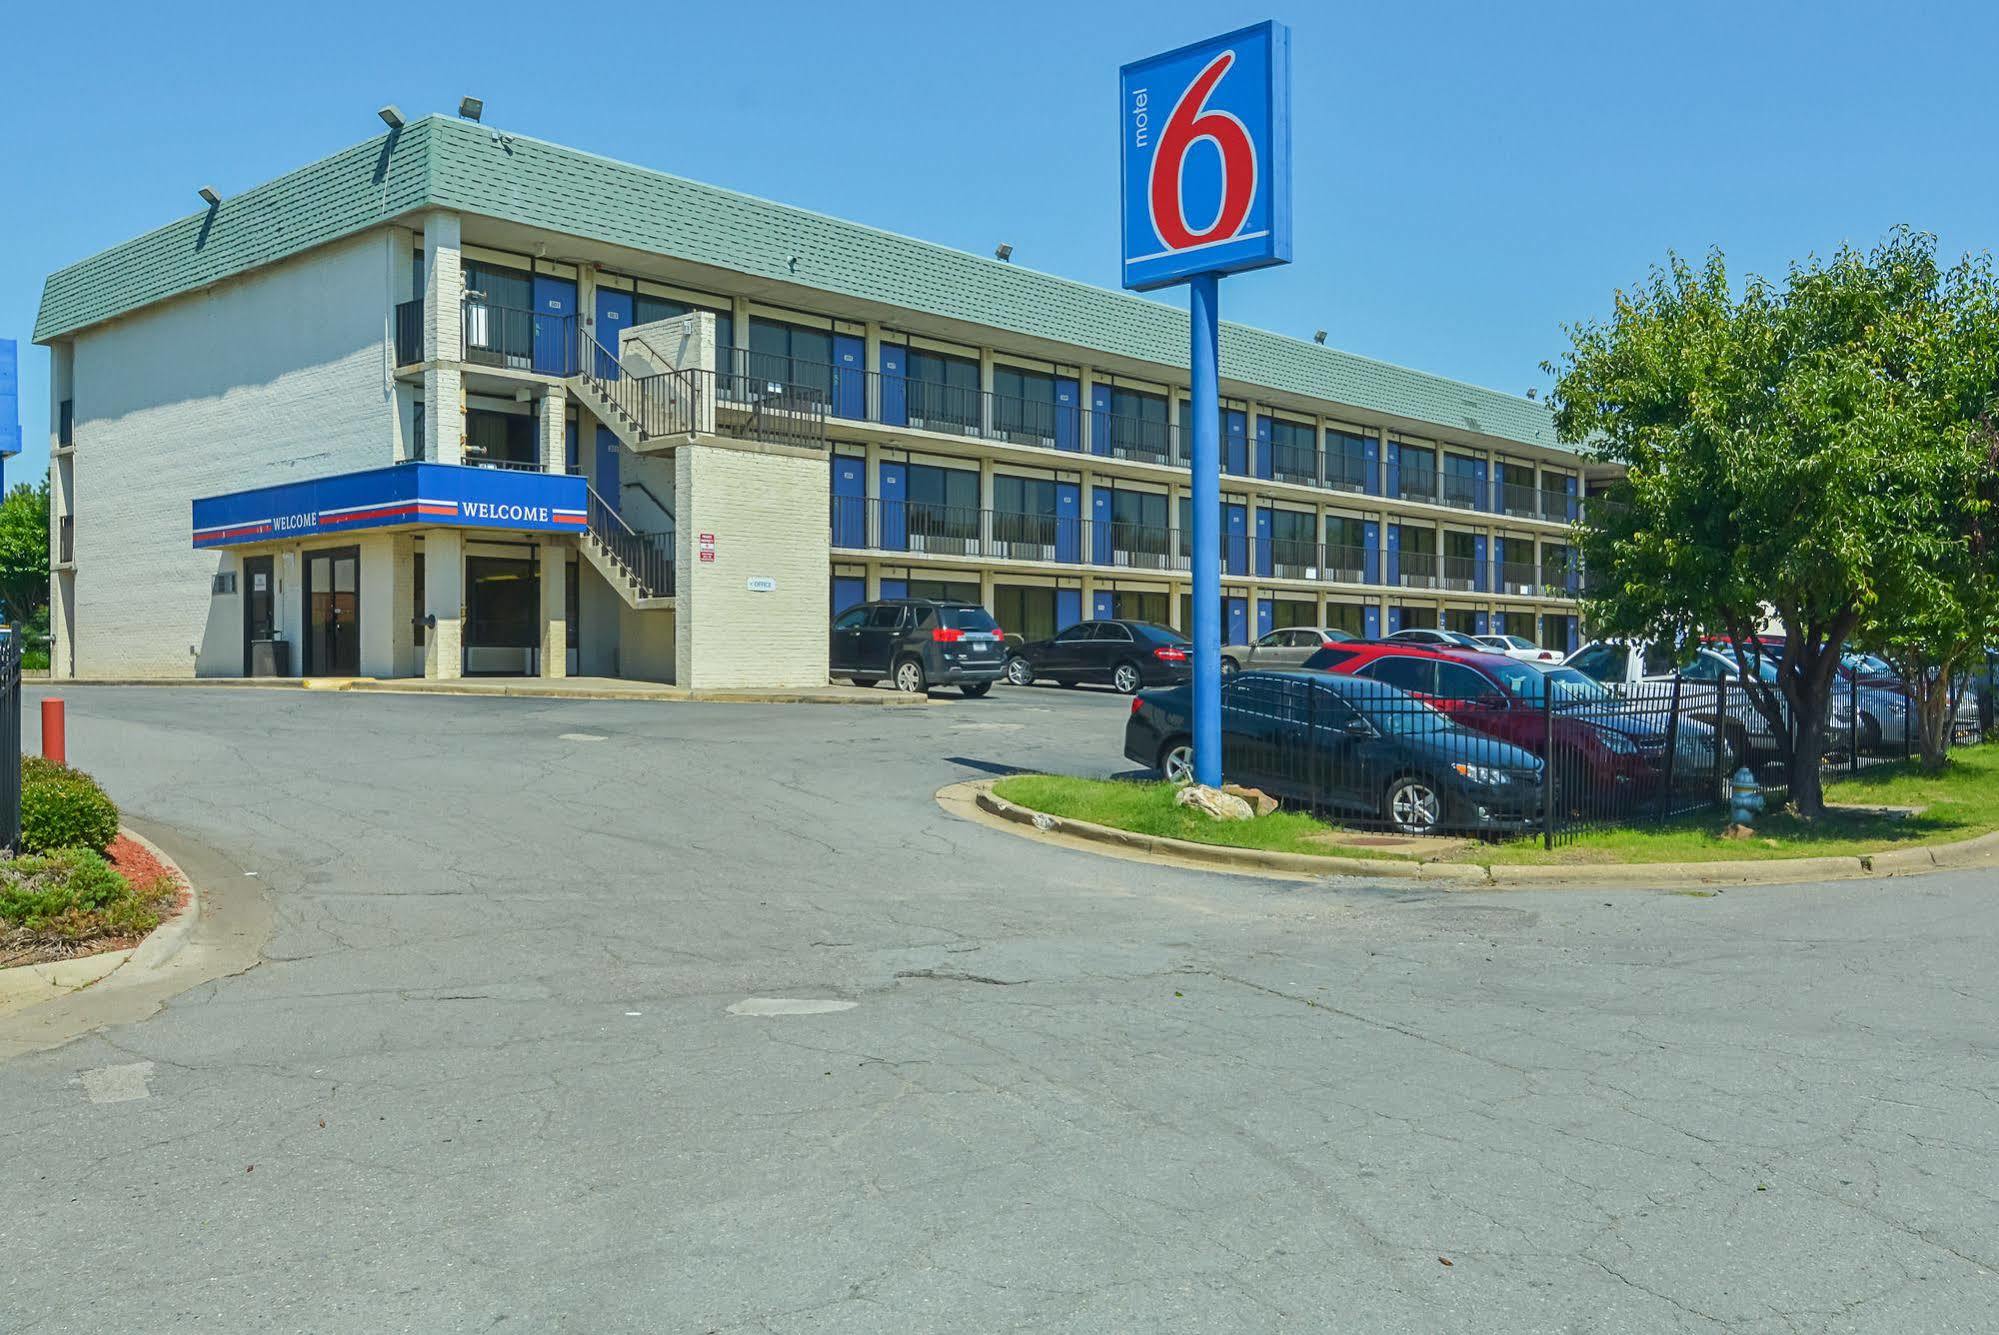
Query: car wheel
(864,681)
(1229,666)
(1019,672)
(1176,761)
(909,677)
(974,689)
(1125,677)
(1414,806)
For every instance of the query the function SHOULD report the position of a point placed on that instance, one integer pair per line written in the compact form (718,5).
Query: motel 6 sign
(1207,158)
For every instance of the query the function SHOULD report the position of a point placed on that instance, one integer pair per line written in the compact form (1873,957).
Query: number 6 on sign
(1206,150)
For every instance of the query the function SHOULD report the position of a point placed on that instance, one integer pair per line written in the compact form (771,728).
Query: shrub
(66,811)
(34,890)
(34,769)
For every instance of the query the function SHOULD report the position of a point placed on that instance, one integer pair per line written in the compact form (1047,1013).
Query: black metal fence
(10,742)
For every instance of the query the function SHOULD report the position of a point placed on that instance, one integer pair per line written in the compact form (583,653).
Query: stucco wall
(275,377)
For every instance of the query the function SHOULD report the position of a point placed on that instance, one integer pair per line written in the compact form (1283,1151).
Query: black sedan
(1347,745)
(1126,654)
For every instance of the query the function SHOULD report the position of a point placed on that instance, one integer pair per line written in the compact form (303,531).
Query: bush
(35,769)
(64,809)
(37,889)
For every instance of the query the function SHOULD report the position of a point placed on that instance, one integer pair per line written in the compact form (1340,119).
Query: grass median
(1885,807)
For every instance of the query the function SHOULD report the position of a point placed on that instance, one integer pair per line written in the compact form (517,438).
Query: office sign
(1206,136)
(403,495)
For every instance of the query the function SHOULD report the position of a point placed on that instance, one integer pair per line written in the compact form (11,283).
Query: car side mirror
(1357,727)
(1491,701)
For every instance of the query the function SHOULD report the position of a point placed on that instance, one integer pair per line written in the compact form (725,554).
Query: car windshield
(1867,665)
(1532,684)
(968,618)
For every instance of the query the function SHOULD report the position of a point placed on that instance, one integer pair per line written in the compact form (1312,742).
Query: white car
(1286,648)
(1646,672)
(1518,646)
(1433,638)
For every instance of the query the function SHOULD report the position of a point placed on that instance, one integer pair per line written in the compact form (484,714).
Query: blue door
(1569,490)
(1068,522)
(1235,442)
(1481,624)
(895,588)
(850,381)
(850,503)
(1068,607)
(1394,620)
(894,515)
(1235,539)
(1370,451)
(1266,610)
(614,316)
(1481,486)
(1101,428)
(847,591)
(1263,552)
(1391,469)
(1370,620)
(554,321)
(1263,446)
(608,486)
(1394,555)
(1235,613)
(894,385)
(1370,536)
(570,447)
(1480,570)
(1100,526)
(1101,606)
(1068,413)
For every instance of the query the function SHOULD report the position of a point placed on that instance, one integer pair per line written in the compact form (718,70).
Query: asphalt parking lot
(508,1060)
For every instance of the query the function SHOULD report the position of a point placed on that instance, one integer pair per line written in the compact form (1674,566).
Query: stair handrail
(661,404)
(664,508)
(649,565)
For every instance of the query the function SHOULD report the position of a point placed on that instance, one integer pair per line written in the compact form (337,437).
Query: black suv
(919,643)
(1127,654)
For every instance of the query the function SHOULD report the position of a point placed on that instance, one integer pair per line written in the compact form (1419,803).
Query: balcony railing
(1295,463)
(1416,570)
(1343,564)
(1519,577)
(1289,558)
(1548,503)
(1461,573)
(1463,491)
(1350,472)
(409,332)
(1416,484)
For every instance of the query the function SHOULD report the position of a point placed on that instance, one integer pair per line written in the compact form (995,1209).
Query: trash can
(270,658)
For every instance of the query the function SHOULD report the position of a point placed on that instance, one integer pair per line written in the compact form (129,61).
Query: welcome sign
(402,495)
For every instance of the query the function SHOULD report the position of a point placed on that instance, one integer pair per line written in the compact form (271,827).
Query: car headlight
(1483,774)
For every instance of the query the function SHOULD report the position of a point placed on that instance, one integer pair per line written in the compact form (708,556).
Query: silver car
(1287,648)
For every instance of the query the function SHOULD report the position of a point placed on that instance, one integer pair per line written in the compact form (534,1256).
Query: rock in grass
(1214,802)
(1260,802)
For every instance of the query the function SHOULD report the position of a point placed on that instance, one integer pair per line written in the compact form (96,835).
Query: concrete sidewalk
(561,688)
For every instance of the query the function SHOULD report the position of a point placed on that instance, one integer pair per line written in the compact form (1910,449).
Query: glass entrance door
(260,606)
(333,613)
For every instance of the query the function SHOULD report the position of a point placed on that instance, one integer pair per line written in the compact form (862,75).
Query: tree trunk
(1934,718)
(1807,747)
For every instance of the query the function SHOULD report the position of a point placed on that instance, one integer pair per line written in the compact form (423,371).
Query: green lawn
(1147,808)
(1959,803)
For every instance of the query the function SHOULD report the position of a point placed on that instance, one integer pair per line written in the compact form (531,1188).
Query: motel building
(456,401)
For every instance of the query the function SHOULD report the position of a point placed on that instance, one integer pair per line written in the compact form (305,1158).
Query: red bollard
(55,741)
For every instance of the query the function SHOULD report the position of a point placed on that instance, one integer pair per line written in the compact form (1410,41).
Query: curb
(395,686)
(1980,850)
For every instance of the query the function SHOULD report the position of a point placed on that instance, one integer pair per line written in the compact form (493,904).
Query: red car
(1602,745)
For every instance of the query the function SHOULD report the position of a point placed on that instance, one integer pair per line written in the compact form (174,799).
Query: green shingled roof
(455,164)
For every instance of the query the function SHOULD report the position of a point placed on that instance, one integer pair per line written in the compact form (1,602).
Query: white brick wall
(279,376)
(767,513)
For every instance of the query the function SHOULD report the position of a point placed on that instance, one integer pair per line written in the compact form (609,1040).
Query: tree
(24,552)
(1785,447)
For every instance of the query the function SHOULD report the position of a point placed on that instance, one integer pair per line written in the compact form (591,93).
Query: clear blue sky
(1470,176)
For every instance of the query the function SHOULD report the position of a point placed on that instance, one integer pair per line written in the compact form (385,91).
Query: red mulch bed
(139,866)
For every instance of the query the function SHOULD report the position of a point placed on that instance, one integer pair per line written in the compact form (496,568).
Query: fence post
(10,743)
(1722,776)
(1853,723)
(1547,766)
(1672,752)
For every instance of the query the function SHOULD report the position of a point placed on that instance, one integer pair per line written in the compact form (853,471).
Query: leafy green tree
(1786,447)
(24,552)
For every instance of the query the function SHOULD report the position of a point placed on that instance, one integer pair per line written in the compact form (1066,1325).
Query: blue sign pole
(1205,149)
(1205,402)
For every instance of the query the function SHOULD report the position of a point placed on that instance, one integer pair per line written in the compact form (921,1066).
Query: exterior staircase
(638,565)
(645,412)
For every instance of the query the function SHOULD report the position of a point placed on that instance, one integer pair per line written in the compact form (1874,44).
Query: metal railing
(66,539)
(1416,484)
(510,465)
(1415,570)
(1294,463)
(646,557)
(409,332)
(1463,574)
(1463,491)
(665,403)
(10,743)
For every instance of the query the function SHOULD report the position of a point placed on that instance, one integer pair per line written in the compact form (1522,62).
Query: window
(1294,449)
(1520,626)
(1329,659)
(944,590)
(1706,667)
(1291,612)
(507,289)
(1604,662)
(1024,403)
(887,616)
(1349,617)
(973,618)
(1136,425)
(1152,632)
(1276,639)
(1660,660)
(1082,630)
(790,355)
(1346,460)
(1131,605)
(1023,495)
(500,438)
(1406,674)
(1455,681)
(1111,630)
(502,603)
(942,390)
(852,618)
(1024,610)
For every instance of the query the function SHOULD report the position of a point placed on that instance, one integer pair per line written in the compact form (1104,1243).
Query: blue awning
(400,496)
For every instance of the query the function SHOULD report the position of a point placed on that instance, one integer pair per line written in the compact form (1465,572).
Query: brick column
(443,339)
(444,600)
(554,609)
(553,412)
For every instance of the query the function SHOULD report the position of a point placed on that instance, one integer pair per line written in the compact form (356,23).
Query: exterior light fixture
(1003,253)
(208,194)
(392,116)
(1318,336)
(471,108)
